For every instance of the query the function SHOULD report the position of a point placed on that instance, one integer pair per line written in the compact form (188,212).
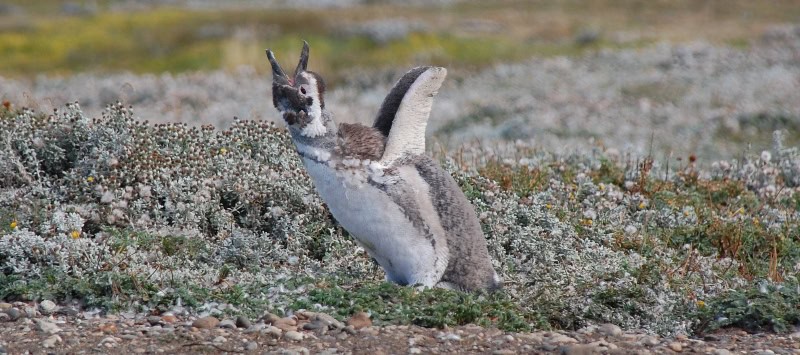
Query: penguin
(407,212)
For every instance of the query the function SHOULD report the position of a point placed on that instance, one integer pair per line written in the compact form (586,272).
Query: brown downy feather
(361,142)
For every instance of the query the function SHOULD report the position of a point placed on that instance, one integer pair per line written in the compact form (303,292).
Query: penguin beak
(278,76)
(303,64)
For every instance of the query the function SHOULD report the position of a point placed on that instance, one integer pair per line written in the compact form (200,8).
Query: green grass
(162,39)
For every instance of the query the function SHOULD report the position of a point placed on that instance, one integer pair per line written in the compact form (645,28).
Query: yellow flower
(75,234)
(642,205)
(222,150)
(13,224)
(756,222)
(602,187)
(548,206)
(587,222)
(90,179)
(701,304)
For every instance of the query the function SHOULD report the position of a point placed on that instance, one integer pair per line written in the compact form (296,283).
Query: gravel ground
(29,328)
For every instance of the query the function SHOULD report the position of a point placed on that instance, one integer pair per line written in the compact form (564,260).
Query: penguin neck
(320,147)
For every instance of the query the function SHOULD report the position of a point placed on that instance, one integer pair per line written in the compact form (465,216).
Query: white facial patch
(315,127)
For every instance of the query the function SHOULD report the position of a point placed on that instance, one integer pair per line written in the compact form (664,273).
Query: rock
(293,335)
(4,317)
(47,327)
(13,314)
(649,340)
(349,330)
(108,328)
(328,320)
(414,351)
(561,339)
(51,341)
(270,318)
(286,324)
(721,352)
(169,318)
(47,307)
(206,323)
(154,320)
(795,335)
(449,336)
(359,320)
(220,339)
(67,311)
(30,312)
(4,306)
(227,324)
(581,349)
(675,346)
(609,330)
(530,337)
(504,352)
(273,330)
(243,322)
(251,346)
(139,350)
(314,325)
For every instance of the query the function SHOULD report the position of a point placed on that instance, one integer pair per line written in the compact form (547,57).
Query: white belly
(379,225)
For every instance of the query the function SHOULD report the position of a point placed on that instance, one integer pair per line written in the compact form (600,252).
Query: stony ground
(29,328)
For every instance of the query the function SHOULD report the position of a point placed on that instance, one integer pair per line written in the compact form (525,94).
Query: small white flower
(766,156)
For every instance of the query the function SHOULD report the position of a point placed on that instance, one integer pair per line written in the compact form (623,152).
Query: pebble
(675,346)
(721,352)
(610,330)
(139,351)
(414,351)
(251,346)
(30,312)
(227,324)
(47,307)
(581,349)
(649,340)
(243,322)
(14,314)
(285,324)
(359,320)
(206,323)
(108,328)
(4,306)
(220,339)
(561,339)
(169,318)
(503,352)
(51,341)
(274,331)
(47,327)
(4,317)
(154,320)
(449,336)
(293,335)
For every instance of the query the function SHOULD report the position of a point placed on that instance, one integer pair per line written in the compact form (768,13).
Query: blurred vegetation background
(154,36)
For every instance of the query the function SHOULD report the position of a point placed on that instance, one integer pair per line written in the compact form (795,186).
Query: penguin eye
(303,90)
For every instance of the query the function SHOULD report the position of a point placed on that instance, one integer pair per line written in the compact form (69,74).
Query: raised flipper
(403,116)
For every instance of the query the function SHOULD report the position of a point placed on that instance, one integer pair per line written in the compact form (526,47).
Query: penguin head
(299,99)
